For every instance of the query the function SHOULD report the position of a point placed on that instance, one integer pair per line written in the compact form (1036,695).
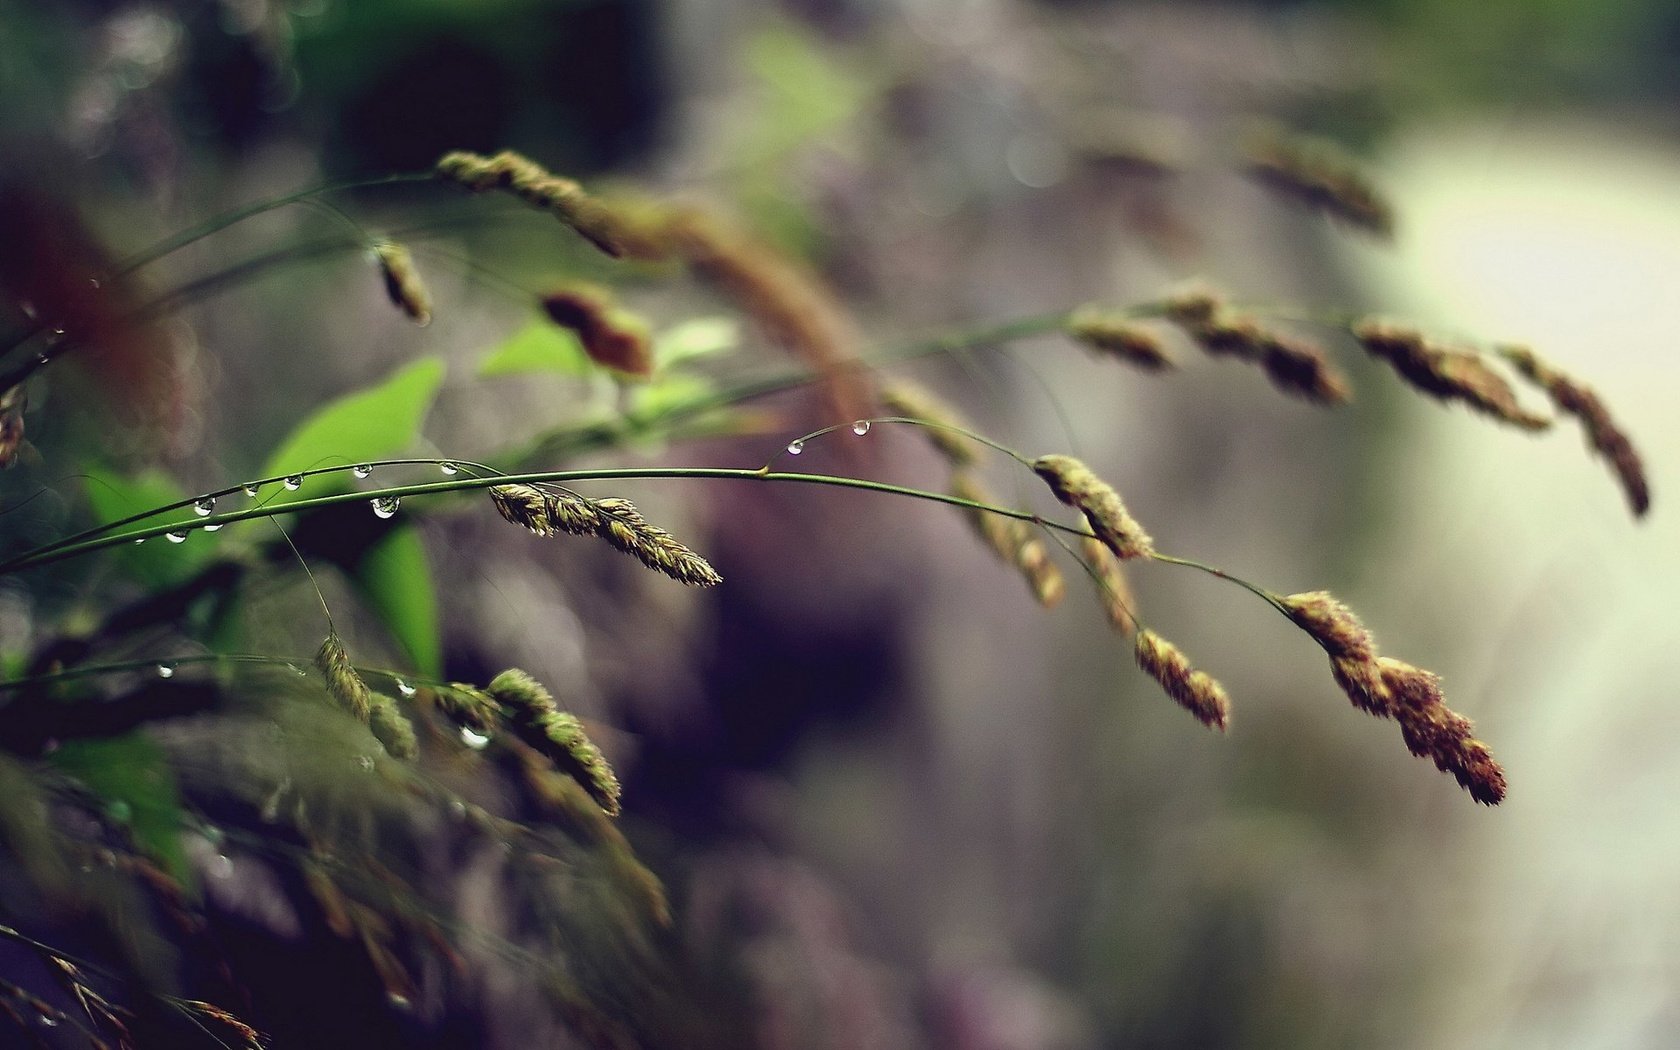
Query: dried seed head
(1114,593)
(612,337)
(913,401)
(343,682)
(1575,398)
(402,281)
(1433,730)
(1451,375)
(1074,484)
(623,526)
(524,505)
(1332,625)
(1361,680)
(392,727)
(1122,339)
(1012,540)
(1194,690)
(1229,335)
(1299,368)
(1321,176)
(556,734)
(1192,304)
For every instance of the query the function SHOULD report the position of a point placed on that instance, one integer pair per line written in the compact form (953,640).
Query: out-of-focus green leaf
(395,580)
(131,774)
(540,346)
(804,90)
(700,337)
(678,389)
(369,424)
(158,562)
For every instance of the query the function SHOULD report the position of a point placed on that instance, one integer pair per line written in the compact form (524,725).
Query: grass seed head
(611,336)
(524,505)
(1122,339)
(1114,592)
(1012,540)
(343,682)
(1074,484)
(556,734)
(1194,690)
(914,401)
(1332,625)
(1321,176)
(402,281)
(1434,731)
(1448,374)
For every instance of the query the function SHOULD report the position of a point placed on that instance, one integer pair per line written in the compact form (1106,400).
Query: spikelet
(619,232)
(12,405)
(1120,338)
(1074,484)
(1012,540)
(402,281)
(1293,365)
(612,337)
(1321,176)
(525,506)
(374,710)
(1332,625)
(343,682)
(1194,690)
(555,734)
(914,401)
(569,512)
(1575,398)
(1434,731)
(1114,593)
(1192,304)
(623,526)
(1451,375)
(786,301)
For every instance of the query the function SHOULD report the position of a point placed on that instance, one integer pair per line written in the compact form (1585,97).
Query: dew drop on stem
(362,470)
(166,670)
(212,528)
(384,506)
(474,739)
(204,506)
(251,490)
(449,469)
(861,427)
(294,482)
(795,447)
(177,536)
(405,690)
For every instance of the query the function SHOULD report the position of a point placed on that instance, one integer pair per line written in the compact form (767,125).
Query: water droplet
(366,762)
(294,482)
(205,506)
(473,738)
(384,506)
(142,539)
(221,866)
(449,469)
(178,536)
(398,1001)
(861,427)
(47,1020)
(251,490)
(166,670)
(93,282)
(405,690)
(212,528)
(42,358)
(362,470)
(795,447)
(58,333)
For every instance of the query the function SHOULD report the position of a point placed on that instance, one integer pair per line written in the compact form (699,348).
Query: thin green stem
(1260,592)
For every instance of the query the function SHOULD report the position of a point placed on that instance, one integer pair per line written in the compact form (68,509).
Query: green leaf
(395,580)
(132,775)
(697,338)
(374,423)
(678,390)
(540,346)
(157,563)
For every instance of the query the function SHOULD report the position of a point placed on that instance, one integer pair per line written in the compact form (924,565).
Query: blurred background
(894,803)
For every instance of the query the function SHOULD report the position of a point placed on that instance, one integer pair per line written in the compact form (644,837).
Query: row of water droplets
(383,506)
(794,448)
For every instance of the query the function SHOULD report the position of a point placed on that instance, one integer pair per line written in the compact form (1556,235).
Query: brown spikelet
(1114,593)
(252,1038)
(1228,335)
(1321,176)
(1120,338)
(1074,484)
(343,682)
(1575,398)
(524,505)
(1012,540)
(1299,368)
(1332,625)
(569,512)
(914,401)
(612,337)
(623,526)
(786,301)
(1192,304)
(1194,690)
(402,281)
(620,232)
(1433,730)
(12,405)
(538,721)
(1445,373)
